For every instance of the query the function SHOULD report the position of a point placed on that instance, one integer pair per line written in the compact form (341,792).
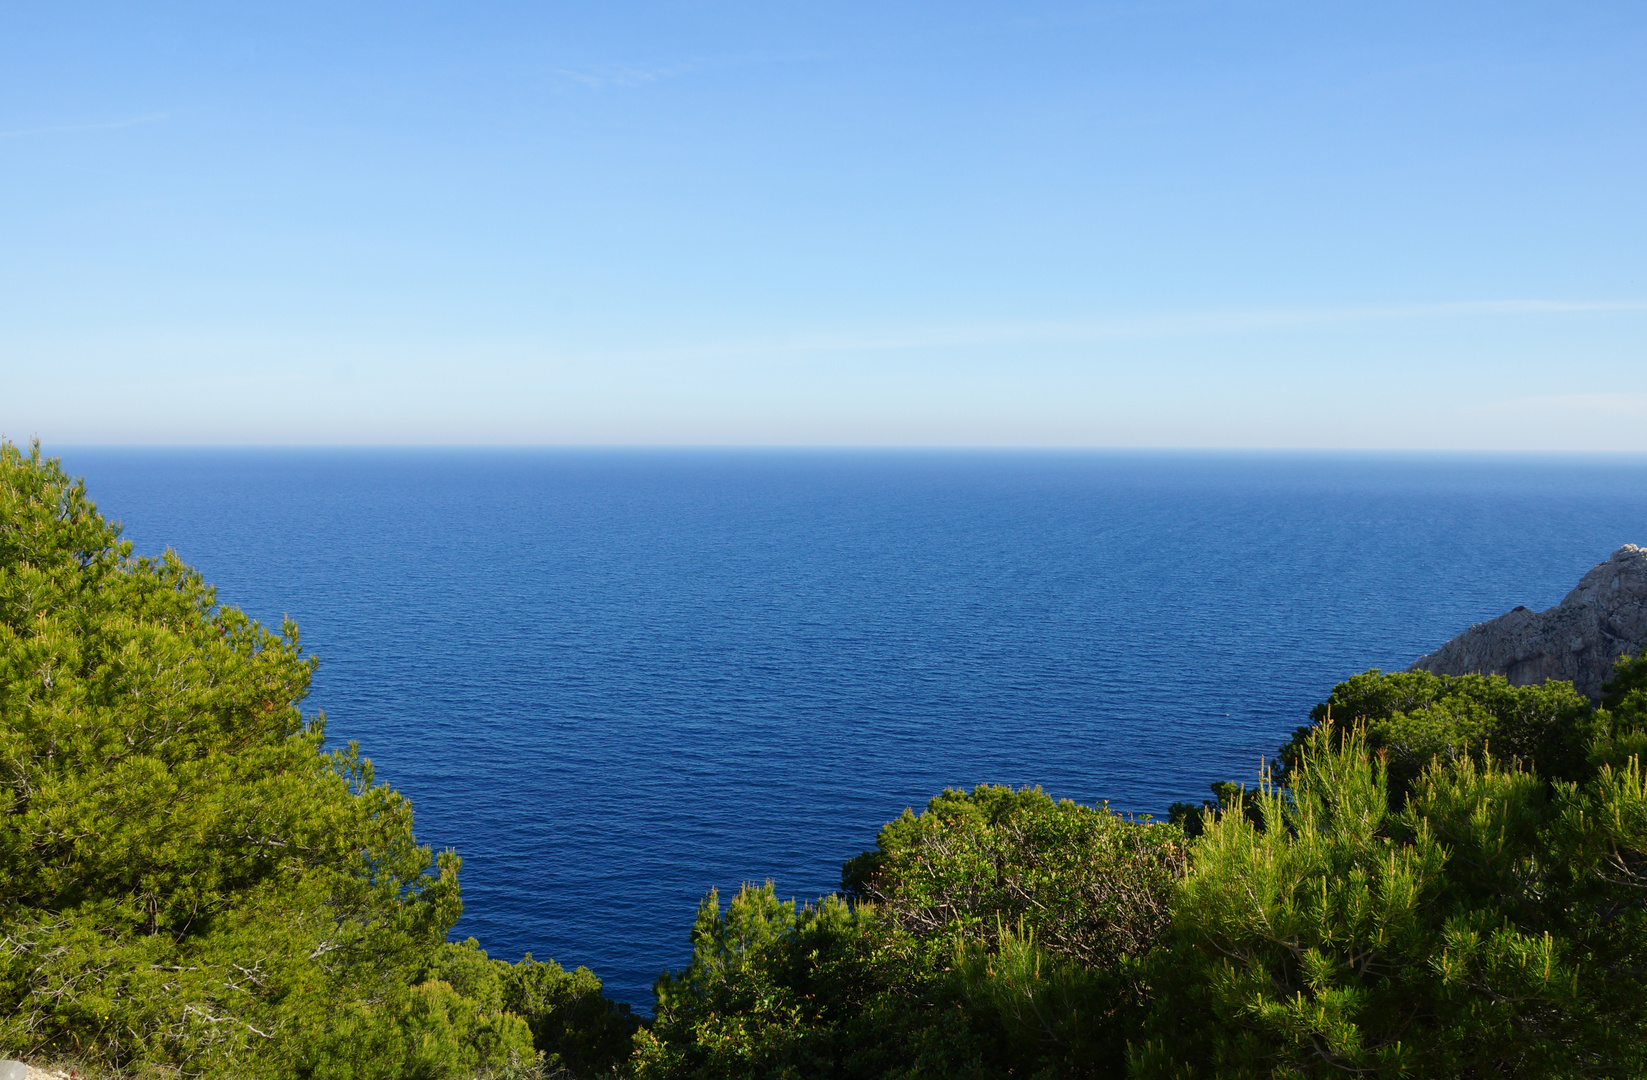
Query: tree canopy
(191,881)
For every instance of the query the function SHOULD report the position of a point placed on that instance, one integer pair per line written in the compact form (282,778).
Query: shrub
(571,1021)
(1493,927)
(998,931)
(1414,717)
(1090,885)
(191,883)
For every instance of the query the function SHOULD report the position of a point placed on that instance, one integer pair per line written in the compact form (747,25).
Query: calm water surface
(612,680)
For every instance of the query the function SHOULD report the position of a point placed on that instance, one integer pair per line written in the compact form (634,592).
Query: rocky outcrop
(1576,640)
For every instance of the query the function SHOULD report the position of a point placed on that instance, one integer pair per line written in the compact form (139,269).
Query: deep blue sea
(612,680)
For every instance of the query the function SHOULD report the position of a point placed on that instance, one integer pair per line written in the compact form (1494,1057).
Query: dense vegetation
(1441,877)
(189,884)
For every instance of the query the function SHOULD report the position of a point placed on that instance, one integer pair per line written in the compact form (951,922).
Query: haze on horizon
(1185,224)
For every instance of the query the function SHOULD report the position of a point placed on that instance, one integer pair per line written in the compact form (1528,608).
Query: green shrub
(1620,722)
(1493,927)
(1049,1010)
(1414,717)
(1090,885)
(571,1021)
(780,990)
(999,931)
(189,884)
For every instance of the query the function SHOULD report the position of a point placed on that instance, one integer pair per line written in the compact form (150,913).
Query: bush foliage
(998,931)
(192,885)
(1491,927)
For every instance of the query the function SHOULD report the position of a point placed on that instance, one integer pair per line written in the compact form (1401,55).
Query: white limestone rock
(1577,640)
(17,1070)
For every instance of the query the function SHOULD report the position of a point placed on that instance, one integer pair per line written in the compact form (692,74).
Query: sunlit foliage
(189,883)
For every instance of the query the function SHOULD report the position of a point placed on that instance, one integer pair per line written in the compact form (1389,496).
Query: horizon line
(753,448)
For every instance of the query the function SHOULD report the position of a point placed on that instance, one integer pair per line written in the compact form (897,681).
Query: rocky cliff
(1575,640)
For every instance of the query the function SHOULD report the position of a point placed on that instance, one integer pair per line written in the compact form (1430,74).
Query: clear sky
(1262,224)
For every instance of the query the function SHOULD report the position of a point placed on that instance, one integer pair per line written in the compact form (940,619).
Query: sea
(614,680)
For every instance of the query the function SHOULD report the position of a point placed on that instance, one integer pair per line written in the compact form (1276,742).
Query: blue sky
(1315,225)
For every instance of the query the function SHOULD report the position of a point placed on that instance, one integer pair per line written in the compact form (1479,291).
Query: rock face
(16,1070)
(1576,640)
